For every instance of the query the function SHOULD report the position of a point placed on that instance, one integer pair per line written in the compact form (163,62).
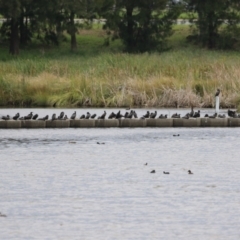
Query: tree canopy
(141,25)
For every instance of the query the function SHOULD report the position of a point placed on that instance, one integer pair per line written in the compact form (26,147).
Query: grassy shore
(102,76)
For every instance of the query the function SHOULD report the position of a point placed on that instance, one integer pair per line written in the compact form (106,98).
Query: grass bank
(102,76)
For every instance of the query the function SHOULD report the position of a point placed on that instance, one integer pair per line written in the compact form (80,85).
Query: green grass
(54,76)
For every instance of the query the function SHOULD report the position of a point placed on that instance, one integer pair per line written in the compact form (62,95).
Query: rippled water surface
(61,184)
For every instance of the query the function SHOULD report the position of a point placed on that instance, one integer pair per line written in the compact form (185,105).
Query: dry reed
(171,79)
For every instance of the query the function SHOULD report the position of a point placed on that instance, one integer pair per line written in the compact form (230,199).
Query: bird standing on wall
(73,115)
(61,115)
(16,116)
(54,117)
(217,93)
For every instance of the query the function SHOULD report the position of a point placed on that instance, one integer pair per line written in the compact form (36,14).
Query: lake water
(61,184)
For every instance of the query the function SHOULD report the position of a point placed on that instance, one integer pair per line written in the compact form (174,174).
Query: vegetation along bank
(138,57)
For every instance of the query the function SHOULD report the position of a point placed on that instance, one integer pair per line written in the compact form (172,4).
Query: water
(61,184)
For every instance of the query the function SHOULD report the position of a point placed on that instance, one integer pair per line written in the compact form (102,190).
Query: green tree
(142,25)
(12,11)
(212,15)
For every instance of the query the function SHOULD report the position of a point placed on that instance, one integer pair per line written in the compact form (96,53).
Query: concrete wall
(57,124)
(181,122)
(133,123)
(107,123)
(214,122)
(10,124)
(234,122)
(160,122)
(82,123)
(33,124)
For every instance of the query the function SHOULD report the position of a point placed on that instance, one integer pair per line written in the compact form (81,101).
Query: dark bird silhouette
(231,113)
(44,118)
(213,116)
(166,172)
(153,115)
(112,115)
(130,115)
(65,117)
(2,215)
(146,164)
(153,171)
(61,115)
(176,135)
(93,116)
(135,114)
(29,116)
(16,116)
(191,114)
(217,93)
(103,115)
(73,115)
(162,116)
(83,116)
(88,115)
(186,116)
(119,115)
(6,117)
(221,115)
(147,115)
(54,117)
(190,172)
(206,115)
(175,115)
(35,117)
(197,114)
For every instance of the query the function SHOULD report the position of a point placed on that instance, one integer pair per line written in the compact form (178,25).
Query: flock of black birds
(154,171)
(128,115)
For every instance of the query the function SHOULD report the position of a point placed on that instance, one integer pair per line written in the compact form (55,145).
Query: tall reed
(180,77)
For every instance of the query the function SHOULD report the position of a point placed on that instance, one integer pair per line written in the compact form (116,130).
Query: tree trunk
(73,32)
(130,38)
(14,37)
(211,31)
(23,30)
